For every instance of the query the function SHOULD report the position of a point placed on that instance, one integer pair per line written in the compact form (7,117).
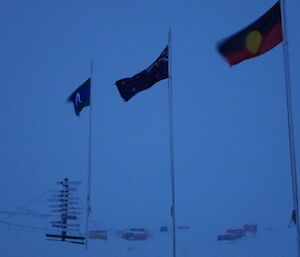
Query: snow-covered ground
(267,241)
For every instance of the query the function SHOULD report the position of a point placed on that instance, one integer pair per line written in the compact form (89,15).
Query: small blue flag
(81,96)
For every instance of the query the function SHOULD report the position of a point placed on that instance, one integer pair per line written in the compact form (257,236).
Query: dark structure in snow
(236,233)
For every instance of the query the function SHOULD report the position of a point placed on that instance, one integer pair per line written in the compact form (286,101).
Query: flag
(81,96)
(157,71)
(259,37)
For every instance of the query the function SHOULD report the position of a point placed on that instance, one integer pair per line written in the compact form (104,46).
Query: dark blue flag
(157,71)
(81,96)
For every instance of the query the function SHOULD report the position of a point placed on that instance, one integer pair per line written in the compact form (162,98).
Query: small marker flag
(81,96)
(157,71)
(259,37)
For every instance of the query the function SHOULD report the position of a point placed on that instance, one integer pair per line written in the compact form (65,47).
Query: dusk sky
(232,163)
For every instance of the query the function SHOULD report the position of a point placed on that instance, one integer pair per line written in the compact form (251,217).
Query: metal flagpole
(170,95)
(290,122)
(88,196)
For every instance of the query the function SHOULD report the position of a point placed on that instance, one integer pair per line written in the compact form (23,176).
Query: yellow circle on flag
(253,41)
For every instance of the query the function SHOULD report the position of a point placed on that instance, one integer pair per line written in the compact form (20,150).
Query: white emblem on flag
(77,99)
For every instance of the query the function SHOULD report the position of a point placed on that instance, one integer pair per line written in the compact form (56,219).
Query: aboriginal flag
(259,37)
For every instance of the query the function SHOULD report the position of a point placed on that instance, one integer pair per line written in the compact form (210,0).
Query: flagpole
(290,122)
(171,131)
(88,195)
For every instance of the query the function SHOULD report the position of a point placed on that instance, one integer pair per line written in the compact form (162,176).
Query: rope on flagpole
(171,131)
(88,197)
(290,122)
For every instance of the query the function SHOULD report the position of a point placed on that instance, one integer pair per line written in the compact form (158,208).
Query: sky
(232,164)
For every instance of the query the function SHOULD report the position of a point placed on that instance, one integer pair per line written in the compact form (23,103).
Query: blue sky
(230,123)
